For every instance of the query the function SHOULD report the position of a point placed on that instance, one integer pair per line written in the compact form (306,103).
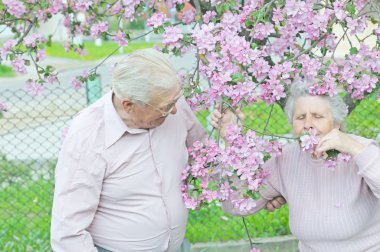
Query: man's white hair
(144,75)
(300,88)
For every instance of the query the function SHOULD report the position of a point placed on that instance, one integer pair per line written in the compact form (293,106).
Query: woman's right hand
(226,119)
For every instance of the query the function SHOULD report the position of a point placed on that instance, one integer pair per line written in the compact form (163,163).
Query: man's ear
(128,105)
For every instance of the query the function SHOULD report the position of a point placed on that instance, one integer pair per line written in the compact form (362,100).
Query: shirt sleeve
(78,183)
(269,191)
(368,162)
(195,130)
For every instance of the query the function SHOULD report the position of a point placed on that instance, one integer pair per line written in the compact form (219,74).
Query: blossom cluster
(247,50)
(215,172)
(309,142)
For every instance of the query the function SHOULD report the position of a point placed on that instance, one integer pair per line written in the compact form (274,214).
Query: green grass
(6,71)
(212,224)
(25,214)
(94,52)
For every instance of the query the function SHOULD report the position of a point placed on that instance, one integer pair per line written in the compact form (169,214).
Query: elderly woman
(329,210)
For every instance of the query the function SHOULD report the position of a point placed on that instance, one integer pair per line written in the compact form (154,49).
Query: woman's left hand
(339,141)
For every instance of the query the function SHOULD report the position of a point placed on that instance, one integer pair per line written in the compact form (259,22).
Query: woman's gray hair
(143,75)
(300,88)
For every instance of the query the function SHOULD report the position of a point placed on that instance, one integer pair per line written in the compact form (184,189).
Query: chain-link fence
(30,138)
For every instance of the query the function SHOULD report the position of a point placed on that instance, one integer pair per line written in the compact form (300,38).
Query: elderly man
(117,181)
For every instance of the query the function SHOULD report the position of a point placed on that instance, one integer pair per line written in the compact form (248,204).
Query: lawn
(94,52)
(6,71)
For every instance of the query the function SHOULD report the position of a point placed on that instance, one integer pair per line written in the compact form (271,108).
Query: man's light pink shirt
(118,187)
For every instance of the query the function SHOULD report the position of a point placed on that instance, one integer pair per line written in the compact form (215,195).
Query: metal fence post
(93,89)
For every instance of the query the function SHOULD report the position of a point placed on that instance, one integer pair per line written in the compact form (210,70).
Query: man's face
(153,114)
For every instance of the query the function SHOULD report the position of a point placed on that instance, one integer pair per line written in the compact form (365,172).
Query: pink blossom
(244,205)
(208,16)
(120,38)
(3,107)
(262,31)
(230,23)
(33,88)
(188,16)
(260,69)
(204,38)
(8,46)
(32,40)
(56,7)
(156,20)
(356,25)
(255,250)
(377,32)
(339,10)
(99,28)
(15,8)
(294,8)
(80,51)
(83,5)
(277,15)
(117,8)
(76,84)
(18,64)
(172,37)
(310,66)
(51,79)
(41,54)
(272,91)
(309,141)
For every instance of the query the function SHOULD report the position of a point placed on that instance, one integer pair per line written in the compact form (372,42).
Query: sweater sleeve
(368,162)
(269,191)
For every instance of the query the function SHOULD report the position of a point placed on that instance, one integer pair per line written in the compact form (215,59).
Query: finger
(270,207)
(216,113)
(281,200)
(240,114)
(276,204)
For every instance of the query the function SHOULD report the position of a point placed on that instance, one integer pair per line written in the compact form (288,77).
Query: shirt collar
(113,124)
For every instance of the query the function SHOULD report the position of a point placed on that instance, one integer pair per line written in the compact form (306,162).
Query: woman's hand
(226,119)
(339,141)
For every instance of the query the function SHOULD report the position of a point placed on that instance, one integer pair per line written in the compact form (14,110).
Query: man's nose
(174,110)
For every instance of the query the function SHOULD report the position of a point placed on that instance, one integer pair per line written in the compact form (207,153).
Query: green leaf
(350,8)
(237,77)
(48,42)
(332,153)
(324,51)
(179,7)
(160,29)
(353,50)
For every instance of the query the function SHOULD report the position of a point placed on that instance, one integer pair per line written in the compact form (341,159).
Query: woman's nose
(308,123)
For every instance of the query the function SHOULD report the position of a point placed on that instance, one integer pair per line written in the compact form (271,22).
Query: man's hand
(275,203)
(226,119)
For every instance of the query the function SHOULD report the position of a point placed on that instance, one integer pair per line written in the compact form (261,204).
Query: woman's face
(312,112)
